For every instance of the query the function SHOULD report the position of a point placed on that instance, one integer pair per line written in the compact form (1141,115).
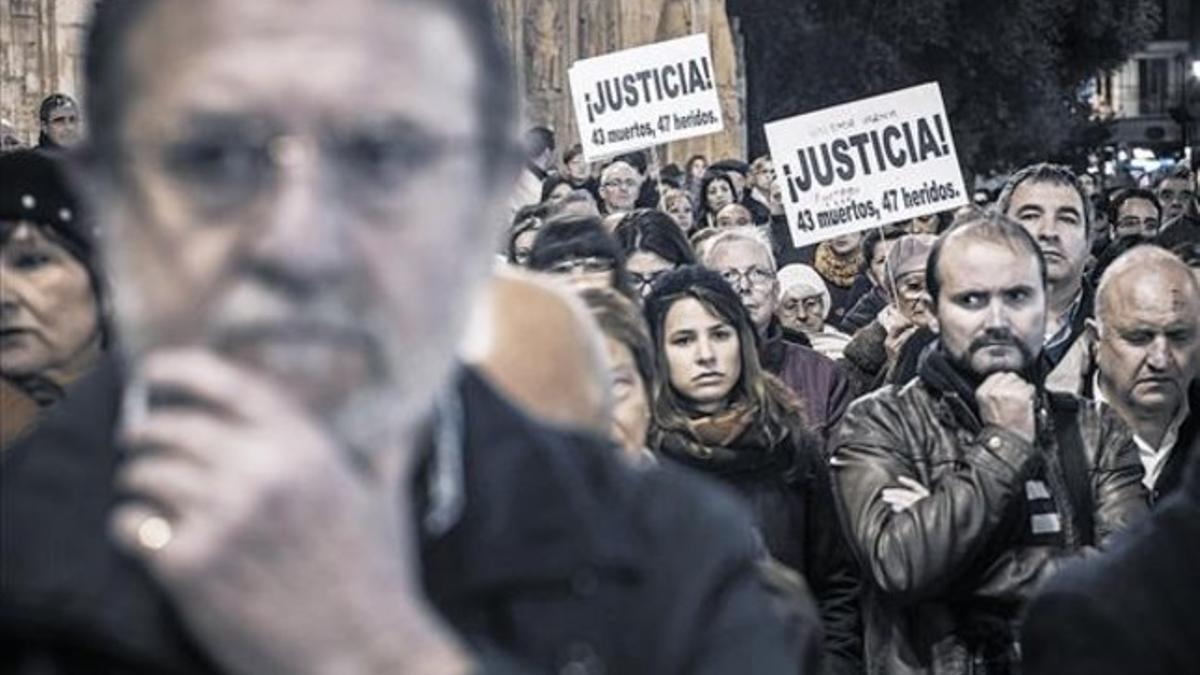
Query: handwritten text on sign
(642,97)
(864,164)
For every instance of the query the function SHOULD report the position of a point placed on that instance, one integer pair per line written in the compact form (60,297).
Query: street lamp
(1196,69)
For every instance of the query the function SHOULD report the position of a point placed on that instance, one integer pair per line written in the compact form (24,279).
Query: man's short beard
(1028,358)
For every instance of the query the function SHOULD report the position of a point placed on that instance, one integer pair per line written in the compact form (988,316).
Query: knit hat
(806,281)
(909,254)
(35,187)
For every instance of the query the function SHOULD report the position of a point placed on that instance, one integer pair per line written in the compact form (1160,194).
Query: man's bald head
(1146,276)
(1147,339)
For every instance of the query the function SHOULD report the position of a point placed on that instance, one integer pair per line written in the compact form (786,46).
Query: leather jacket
(944,580)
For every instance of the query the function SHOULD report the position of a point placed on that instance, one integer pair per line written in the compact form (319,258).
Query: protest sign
(646,96)
(867,163)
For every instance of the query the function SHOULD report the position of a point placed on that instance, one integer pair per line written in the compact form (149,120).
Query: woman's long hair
(778,409)
(655,232)
(705,217)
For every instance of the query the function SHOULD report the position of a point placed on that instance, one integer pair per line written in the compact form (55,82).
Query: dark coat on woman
(786,485)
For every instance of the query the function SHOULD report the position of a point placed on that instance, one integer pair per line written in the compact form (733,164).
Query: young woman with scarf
(718,412)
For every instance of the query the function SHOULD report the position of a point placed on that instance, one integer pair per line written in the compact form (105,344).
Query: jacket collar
(953,387)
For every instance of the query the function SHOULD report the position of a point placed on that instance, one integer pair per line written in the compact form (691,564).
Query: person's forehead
(1173,184)
(804,292)
(1046,193)
(734,211)
(644,258)
(688,313)
(982,265)
(25,234)
(736,252)
(1136,204)
(619,170)
(298,58)
(1152,294)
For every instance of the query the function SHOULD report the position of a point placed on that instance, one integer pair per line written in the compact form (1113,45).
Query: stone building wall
(41,46)
(549,35)
(41,52)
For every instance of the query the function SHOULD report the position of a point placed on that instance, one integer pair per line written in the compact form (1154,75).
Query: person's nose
(303,244)
(997,316)
(1158,354)
(705,354)
(1047,229)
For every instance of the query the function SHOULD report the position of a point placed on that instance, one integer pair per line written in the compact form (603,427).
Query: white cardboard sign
(645,96)
(868,163)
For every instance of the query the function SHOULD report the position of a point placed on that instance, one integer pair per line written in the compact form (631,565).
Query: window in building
(1153,96)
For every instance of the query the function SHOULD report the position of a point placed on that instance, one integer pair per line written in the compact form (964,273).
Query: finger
(900,496)
(905,501)
(197,435)
(915,486)
(234,390)
(165,482)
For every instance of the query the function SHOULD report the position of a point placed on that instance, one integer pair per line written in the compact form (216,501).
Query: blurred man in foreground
(305,479)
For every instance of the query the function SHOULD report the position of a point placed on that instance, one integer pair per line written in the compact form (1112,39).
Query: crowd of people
(299,374)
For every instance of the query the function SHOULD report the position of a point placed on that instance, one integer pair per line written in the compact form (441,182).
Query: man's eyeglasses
(226,165)
(754,276)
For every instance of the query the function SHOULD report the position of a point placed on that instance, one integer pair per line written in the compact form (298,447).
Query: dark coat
(786,486)
(1184,229)
(865,311)
(816,379)
(944,580)
(781,241)
(1131,610)
(1172,476)
(865,360)
(564,558)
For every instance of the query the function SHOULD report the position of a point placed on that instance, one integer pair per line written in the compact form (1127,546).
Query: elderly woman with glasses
(804,305)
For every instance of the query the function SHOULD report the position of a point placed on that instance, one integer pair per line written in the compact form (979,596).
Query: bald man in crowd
(1147,347)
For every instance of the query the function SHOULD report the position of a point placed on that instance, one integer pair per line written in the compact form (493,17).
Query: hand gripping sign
(646,96)
(865,164)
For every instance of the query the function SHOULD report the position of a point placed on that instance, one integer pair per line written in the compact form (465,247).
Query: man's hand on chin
(279,555)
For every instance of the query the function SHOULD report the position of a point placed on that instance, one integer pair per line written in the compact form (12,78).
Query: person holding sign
(963,490)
